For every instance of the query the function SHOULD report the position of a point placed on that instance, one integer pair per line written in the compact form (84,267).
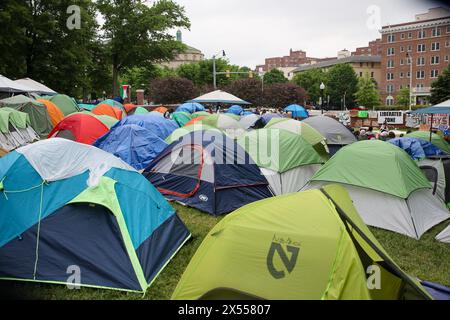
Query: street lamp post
(322,88)
(214,69)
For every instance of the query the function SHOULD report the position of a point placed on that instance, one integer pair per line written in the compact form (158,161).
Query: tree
(172,90)
(440,89)
(274,76)
(137,34)
(280,95)
(367,94)
(310,80)
(247,89)
(403,97)
(342,82)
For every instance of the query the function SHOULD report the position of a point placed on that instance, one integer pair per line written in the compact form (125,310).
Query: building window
(435,46)
(402,49)
(421,61)
(434,73)
(447,44)
(446,58)
(408,74)
(402,62)
(420,74)
(448,29)
(390,64)
(360,74)
(402,75)
(390,76)
(421,47)
(390,88)
(409,35)
(390,51)
(435,60)
(436,32)
(409,48)
(403,36)
(421,34)
(390,101)
(391,38)
(372,74)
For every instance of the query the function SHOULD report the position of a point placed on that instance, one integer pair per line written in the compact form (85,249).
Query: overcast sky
(252,30)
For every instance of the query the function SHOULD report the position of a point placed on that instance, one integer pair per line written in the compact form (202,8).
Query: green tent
(386,185)
(37,112)
(18,119)
(66,104)
(436,140)
(141,110)
(15,130)
(310,134)
(303,246)
(286,159)
(181,118)
(200,114)
(233,116)
(180,132)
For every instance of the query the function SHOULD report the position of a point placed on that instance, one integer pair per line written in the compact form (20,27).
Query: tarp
(441,108)
(190,107)
(297,111)
(417,149)
(237,110)
(37,87)
(435,139)
(39,118)
(219,96)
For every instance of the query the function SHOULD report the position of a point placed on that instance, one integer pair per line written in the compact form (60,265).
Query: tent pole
(431,127)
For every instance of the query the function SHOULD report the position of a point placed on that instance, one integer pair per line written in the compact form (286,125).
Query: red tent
(80,127)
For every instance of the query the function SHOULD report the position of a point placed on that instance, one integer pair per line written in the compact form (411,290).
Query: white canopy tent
(7,85)
(36,86)
(219,96)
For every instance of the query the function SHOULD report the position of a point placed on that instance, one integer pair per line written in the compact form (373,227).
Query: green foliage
(247,89)
(440,89)
(367,94)
(310,80)
(341,81)
(172,90)
(281,95)
(136,34)
(403,97)
(274,76)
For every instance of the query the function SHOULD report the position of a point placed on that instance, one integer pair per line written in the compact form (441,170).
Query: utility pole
(214,69)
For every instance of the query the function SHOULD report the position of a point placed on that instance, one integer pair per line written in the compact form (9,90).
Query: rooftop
(329,63)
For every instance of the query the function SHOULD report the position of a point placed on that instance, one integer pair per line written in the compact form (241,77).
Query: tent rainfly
(7,85)
(37,87)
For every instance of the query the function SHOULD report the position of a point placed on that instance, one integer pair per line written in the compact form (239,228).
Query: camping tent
(417,148)
(304,246)
(77,205)
(208,171)
(437,171)
(286,159)
(137,139)
(66,104)
(297,111)
(140,110)
(335,133)
(80,127)
(219,96)
(113,103)
(199,114)
(436,140)
(190,107)
(250,121)
(15,129)
(267,117)
(303,129)
(183,131)
(386,185)
(444,236)
(53,111)
(161,110)
(39,118)
(7,85)
(225,123)
(181,118)
(37,87)
(108,110)
(3,152)
(237,110)
(441,108)
(129,107)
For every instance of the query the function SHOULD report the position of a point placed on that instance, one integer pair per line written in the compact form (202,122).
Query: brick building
(425,42)
(373,49)
(294,59)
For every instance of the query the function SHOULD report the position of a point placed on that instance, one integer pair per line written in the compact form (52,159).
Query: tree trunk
(115,80)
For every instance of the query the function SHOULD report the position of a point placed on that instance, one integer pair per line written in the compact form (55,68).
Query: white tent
(444,236)
(36,86)
(219,96)
(7,85)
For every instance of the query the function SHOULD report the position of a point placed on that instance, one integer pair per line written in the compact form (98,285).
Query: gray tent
(336,134)
(9,86)
(37,87)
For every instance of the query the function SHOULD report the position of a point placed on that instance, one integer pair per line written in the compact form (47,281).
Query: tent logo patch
(203,198)
(288,256)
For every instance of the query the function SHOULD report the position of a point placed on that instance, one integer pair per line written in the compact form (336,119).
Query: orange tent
(161,110)
(56,115)
(193,121)
(129,106)
(107,110)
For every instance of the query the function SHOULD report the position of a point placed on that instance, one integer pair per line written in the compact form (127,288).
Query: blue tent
(297,111)
(66,206)
(190,107)
(237,110)
(417,148)
(195,171)
(265,118)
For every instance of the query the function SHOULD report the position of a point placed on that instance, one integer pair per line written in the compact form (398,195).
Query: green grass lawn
(426,259)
